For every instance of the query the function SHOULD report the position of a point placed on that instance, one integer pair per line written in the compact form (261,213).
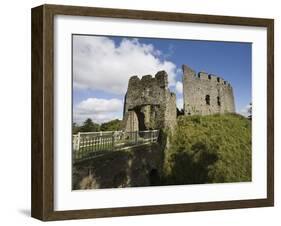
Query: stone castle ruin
(206,94)
(149,104)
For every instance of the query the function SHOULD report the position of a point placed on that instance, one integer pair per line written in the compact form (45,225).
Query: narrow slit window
(207,99)
(219,101)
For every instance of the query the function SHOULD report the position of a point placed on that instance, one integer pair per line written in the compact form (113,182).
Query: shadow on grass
(191,167)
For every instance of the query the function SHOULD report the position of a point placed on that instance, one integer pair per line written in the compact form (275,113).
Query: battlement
(203,76)
(206,93)
(189,73)
(134,80)
(160,80)
(145,78)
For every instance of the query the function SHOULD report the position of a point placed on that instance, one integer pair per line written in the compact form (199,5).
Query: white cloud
(179,87)
(179,103)
(245,111)
(99,64)
(99,110)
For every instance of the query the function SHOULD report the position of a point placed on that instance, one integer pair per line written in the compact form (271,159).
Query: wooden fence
(87,145)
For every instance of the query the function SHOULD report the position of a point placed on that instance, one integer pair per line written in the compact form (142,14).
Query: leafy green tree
(75,128)
(89,126)
(112,125)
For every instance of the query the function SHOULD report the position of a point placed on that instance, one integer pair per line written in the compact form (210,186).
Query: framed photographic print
(141,112)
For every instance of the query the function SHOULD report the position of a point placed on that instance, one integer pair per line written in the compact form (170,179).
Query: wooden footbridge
(92,144)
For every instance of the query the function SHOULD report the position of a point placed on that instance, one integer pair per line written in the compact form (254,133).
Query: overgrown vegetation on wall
(209,149)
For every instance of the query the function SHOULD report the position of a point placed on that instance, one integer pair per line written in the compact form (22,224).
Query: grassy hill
(209,149)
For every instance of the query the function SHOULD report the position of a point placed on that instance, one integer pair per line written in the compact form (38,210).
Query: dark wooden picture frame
(43,112)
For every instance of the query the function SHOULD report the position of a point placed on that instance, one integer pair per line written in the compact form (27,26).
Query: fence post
(78,146)
(78,140)
(112,140)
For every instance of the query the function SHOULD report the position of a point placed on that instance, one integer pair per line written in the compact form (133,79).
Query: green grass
(209,149)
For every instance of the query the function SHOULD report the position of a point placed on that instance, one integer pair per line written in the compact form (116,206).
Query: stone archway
(140,118)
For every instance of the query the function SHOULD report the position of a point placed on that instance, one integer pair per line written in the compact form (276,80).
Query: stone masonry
(205,94)
(149,104)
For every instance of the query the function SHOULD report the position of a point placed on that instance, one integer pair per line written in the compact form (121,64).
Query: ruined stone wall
(133,167)
(205,94)
(149,104)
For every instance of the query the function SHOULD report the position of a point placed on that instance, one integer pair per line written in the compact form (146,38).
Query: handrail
(86,144)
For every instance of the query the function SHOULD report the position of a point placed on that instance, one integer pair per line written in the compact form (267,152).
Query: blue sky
(102,66)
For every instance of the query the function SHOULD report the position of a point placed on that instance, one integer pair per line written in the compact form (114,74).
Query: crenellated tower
(205,94)
(149,104)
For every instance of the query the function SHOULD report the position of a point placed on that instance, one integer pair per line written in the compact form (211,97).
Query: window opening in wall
(207,99)
(140,116)
(219,101)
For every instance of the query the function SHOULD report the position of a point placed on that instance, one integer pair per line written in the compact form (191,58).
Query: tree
(89,126)
(75,128)
(112,125)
